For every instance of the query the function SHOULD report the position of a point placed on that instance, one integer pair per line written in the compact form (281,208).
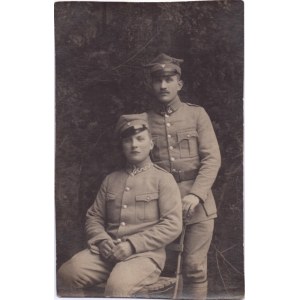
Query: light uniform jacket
(186,146)
(144,209)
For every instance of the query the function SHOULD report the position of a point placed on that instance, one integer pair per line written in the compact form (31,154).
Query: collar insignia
(133,170)
(169,110)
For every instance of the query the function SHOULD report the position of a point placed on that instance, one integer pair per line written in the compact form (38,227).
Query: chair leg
(178,288)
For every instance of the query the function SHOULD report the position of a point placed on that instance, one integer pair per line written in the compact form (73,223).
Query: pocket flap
(146,197)
(186,135)
(110,196)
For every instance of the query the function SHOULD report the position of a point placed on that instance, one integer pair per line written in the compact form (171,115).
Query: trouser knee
(68,276)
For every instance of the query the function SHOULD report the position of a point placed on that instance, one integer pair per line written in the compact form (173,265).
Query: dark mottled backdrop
(100,48)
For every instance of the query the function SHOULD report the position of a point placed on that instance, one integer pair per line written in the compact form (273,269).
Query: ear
(180,84)
(151,145)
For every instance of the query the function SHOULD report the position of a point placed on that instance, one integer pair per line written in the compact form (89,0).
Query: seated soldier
(137,212)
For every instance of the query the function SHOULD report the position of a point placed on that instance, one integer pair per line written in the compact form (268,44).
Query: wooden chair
(169,284)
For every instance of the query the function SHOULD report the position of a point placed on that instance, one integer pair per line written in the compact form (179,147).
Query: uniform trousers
(86,269)
(197,241)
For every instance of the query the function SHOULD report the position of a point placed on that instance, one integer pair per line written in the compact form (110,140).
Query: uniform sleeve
(95,219)
(210,158)
(170,224)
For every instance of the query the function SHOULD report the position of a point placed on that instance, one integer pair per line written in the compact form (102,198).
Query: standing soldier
(185,144)
(137,212)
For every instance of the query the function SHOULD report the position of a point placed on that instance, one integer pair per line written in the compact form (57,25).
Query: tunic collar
(134,170)
(168,108)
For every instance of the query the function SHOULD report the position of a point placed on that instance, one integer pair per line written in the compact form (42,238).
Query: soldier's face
(136,148)
(166,88)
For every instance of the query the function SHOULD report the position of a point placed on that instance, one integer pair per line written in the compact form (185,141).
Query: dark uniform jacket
(186,146)
(144,209)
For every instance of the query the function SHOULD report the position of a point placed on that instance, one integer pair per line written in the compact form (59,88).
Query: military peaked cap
(129,125)
(164,65)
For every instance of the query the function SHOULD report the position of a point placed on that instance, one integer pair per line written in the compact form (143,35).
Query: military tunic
(142,207)
(186,146)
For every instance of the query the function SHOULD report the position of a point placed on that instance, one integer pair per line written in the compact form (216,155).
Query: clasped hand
(115,250)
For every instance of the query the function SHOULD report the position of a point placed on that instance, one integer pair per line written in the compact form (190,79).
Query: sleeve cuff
(93,242)
(136,243)
(132,246)
(199,198)
(202,196)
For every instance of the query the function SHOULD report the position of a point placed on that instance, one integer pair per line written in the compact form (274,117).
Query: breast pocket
(188,143)
(147,207)
(111,210)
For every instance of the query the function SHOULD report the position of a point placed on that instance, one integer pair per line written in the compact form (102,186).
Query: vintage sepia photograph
(149,149)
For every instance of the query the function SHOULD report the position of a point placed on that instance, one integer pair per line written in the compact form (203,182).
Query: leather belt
(185,175)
